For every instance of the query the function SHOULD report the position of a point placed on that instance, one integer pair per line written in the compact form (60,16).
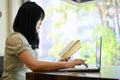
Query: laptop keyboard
(90,66)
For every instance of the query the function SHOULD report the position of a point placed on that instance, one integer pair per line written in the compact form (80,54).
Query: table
(106,73)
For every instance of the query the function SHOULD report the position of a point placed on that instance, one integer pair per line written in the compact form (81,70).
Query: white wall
(3,25)
(9,9)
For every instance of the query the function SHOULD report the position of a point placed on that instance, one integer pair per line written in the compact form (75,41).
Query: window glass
(66,21)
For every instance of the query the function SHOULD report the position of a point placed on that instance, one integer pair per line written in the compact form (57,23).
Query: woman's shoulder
(17,37)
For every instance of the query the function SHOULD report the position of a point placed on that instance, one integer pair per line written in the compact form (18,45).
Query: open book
(70,49)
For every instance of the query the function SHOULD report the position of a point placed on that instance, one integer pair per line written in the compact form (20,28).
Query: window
(64,22)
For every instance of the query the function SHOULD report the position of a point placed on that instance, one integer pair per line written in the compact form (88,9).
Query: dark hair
(25,22)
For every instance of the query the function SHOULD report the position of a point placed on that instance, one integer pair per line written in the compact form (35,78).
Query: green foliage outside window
(110,47)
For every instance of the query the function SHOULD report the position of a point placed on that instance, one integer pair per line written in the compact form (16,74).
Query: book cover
(70,49)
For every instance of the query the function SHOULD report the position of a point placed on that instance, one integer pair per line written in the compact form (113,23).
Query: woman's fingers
(66,59)
(83,62)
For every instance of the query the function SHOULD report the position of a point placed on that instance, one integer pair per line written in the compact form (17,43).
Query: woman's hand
(76,62)
(73,63)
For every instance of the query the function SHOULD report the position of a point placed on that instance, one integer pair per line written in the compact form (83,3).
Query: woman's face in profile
(39,22)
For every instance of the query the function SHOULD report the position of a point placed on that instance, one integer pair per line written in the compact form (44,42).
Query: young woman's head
(26,22)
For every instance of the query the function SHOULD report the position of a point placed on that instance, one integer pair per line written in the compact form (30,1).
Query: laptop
(91,67)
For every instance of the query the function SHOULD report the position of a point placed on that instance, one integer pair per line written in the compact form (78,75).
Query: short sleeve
(16,43)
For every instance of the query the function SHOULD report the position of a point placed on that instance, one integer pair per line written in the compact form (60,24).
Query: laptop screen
(98,52)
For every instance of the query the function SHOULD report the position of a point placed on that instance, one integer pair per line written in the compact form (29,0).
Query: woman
(20,55)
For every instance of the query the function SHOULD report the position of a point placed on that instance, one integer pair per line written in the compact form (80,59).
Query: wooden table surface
(106,73)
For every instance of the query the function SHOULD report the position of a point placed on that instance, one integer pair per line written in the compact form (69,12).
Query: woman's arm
(27,58)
